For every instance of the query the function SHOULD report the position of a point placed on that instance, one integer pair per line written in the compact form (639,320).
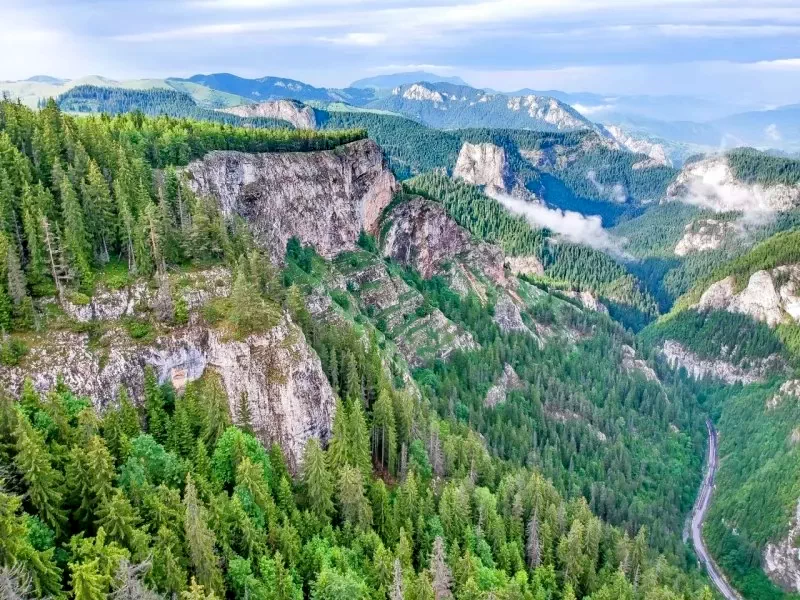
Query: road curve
(699,515)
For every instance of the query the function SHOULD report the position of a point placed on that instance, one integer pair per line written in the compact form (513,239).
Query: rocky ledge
(323,198)
(698,368)
(770,296)
(288,394)
(292,111)
(704,235)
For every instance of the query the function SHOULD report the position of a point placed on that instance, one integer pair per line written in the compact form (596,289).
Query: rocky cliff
(485,165)
(782,558)
(288,394)
(703,235)
(696,367)
(770,296)
(324,198)
(421,234)
(655,151)
(296,113)
(712,184)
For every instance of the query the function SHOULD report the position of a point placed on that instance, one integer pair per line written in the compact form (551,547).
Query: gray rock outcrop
(770,296)
(421,234)
(296,113)
(698,368)
(324,198)
(289,397)
(508,381)
(704,235)
(485,165)
(782,558)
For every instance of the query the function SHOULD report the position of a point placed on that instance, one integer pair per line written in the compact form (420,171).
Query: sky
(741,51)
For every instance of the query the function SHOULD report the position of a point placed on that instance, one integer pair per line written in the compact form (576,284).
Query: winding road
(699,515)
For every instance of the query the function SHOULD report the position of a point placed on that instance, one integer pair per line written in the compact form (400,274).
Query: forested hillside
(563,262)
(421,495)
(152,102)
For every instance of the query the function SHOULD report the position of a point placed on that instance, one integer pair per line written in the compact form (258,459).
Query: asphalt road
(699,514)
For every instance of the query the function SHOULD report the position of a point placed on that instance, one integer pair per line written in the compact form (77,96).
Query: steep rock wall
(323,198)
(296,113)
(288,394)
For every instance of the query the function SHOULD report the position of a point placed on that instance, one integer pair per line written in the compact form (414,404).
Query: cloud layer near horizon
(605,46)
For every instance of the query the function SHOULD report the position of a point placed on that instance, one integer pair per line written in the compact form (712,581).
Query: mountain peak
(394,80)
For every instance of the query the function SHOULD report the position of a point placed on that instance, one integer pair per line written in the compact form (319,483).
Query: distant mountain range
(395,79)
(683,125)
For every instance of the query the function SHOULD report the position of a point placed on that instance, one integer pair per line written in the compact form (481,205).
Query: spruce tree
(359,454)
(200,540)
(338,448)
(76,242)
(317,481)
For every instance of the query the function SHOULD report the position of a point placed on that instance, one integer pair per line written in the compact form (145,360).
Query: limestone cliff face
(770,296)
(421,234)
(698,368)
(288,394)
(508,381)
(296,113)
(712,184)
(655,151)
(485,165)
(703,235)
(782,558)
(323,198)
(524,265)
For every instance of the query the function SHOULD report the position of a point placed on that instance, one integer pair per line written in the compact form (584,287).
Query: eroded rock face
(548,110)
(632,364)
(421,234)
(296,113)
(195,287)
(782,559)
(288,394)
(656,152)
(699,368)
(485,165)
(770,296)
(508,381)
(323,198)
(704,235)
(588,299)
(524,265)
(711,183)
(508,316)
(789,390)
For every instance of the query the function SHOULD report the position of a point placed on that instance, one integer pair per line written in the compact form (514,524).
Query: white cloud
(614,192)
(221,29)
(783,64)
(357,39)
(572,226)
(773,133)
(592,110)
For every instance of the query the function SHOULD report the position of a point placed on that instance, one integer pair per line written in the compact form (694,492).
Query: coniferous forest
(413,497)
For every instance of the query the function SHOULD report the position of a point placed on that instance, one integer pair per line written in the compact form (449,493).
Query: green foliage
(752,166)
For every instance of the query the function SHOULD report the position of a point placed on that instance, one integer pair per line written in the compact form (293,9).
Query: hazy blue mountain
(449,106)
(275,88)
(46,79)
(778,128)
(394,79)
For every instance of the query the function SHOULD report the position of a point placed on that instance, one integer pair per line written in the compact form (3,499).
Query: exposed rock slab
(711,183)
(524,265)
(485,165)
(782,559)
(770,296)
(655,152)
(508,381)
(288,394)
(789,390)
(296,113)
(699,368)
(588,299)
(704,235)
(324,198)
(632,364)
(508,316)
(422,235)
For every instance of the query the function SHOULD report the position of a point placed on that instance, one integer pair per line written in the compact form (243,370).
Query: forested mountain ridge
(408,500)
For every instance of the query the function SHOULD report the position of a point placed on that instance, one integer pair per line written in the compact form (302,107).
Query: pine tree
(87,582)
(197,592)
(338,447)
(157,417)
(359,454)
(355,509)
(533,546)
(43,482)
(384,435)
(200,540)
(99,211)
(317,482)
(118,518)
(76,242)
(248,310)
(442,578)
